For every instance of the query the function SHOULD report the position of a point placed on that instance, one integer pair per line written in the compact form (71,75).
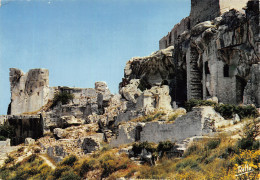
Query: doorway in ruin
(26,127)
(240,87)
(178,79)
(138,133)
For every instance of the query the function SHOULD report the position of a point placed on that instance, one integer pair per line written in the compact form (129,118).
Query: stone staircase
(196,76)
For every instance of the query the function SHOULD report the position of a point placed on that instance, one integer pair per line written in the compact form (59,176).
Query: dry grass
(154,116)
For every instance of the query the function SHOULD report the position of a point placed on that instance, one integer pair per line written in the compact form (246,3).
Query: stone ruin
(216,57)
(206,56)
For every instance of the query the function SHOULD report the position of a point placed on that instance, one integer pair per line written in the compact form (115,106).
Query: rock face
(30,91)
(252,89)
(213,57)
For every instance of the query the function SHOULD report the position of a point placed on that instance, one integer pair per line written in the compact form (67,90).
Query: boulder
(236,119)
(29,141)
(131,91)
(70,120)
(102,89)
(89,145)
(60,133)
(201,27)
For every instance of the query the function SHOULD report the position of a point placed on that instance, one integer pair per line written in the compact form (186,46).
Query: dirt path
(48,162)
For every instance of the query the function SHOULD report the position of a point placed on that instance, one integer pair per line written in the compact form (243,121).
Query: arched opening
(138,133)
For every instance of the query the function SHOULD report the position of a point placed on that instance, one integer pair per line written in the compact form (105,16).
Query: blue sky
(81,41)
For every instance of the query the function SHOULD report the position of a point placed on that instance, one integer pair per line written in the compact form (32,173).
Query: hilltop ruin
(210,56)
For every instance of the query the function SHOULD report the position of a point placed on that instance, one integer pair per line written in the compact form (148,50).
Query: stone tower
(204,10)
(29,91)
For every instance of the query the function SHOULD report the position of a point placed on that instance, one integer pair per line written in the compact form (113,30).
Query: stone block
(29,141)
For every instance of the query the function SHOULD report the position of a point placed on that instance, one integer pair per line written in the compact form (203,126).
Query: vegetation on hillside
(6,131)
(155,116)
(220,157)
(62,97)
(225,110)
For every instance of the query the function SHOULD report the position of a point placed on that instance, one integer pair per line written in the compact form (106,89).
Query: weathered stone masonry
(214,50)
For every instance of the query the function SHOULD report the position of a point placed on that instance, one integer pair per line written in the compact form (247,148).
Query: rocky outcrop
(151,70)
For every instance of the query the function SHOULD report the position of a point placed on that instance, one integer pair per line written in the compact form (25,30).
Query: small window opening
(226,70)
(138,133)
(206,67)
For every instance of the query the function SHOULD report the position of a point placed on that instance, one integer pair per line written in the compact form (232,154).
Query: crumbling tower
(201,10)
(204,10)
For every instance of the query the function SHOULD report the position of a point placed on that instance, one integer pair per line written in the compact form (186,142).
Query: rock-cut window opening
(138,133)
(226,70)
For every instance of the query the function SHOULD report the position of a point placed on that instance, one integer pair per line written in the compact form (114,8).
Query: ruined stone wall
(226,5)
(86,101)
(200,121)
(25,126)
(203,10)
(173,35)
(29,91)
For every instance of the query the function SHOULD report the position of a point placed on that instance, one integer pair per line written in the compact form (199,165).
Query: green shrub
(69,175)
(228,151)
(63,97)
(138,147)
(193,164)
(86,166)
(2,138)
(59,170)
(165,146)
(197,102)
(213,143)
(7,131)
(191,150)
(250,131)
(228,111)
(69,160)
